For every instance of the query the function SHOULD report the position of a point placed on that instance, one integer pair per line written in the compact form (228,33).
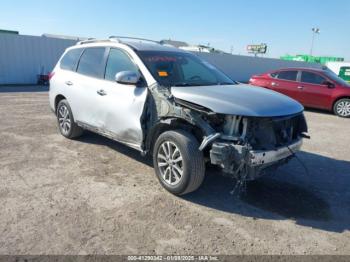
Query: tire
(342,107)
(182,145)
(65,120)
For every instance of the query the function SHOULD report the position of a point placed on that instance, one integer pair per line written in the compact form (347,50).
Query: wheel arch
(58,98)
(338,98)
(167,124)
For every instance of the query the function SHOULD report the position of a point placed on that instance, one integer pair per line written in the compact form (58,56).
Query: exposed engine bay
(243,146)
(248,145)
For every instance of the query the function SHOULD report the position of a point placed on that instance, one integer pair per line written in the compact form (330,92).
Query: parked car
(175,106)
(314,88)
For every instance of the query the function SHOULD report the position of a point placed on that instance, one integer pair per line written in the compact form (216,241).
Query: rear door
(314,90)
(88,80)
(64,78)
(286,83)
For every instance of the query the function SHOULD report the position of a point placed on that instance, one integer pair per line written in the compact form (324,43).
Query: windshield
(182,69)
(336,78)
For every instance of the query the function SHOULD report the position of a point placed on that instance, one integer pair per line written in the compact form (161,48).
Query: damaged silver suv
(170,103)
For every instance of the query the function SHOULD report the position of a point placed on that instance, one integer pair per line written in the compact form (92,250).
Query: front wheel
(342,107)
(178,163)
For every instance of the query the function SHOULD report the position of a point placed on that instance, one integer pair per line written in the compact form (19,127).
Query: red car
(316,88)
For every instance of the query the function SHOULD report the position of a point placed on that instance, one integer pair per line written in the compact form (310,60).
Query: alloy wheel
(170,163)
(64,119)
(343,108)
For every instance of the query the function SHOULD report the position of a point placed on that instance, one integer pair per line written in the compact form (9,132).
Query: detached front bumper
(231,157)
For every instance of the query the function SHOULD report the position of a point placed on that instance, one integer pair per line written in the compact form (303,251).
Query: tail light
(51,75)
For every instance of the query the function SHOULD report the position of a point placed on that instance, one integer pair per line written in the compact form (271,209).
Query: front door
(119,107)
(314,90)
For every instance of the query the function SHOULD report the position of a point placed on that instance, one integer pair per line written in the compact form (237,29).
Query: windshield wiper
(189,84)
(226,83)
(182,84)
(202,84)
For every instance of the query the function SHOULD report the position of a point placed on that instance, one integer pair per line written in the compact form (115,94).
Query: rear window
(312,78)
(70,59)
(92,62)
(287,75)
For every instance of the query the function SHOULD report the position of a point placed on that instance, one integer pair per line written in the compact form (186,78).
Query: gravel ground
(95,196)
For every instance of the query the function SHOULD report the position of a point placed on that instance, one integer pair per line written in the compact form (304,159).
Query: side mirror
(127,77)
(329,84)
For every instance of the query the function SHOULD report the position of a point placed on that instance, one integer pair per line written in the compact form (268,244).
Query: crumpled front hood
(245,100)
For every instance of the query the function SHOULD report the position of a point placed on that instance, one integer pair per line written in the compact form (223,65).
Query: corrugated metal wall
(241,68)
(23,57)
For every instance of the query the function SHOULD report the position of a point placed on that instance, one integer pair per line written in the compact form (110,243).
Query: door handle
(69,83)
(300,87)
(101,92)
(274,84)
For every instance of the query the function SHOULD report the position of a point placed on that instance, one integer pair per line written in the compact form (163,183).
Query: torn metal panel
(163,108)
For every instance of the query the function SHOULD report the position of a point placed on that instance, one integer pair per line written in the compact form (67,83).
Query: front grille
(288,129)
(270,133)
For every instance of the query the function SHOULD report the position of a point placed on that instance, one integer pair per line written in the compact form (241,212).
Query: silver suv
(185,112)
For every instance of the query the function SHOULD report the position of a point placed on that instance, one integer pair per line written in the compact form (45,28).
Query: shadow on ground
(92,138)
(23,88)
(319,111)
(320,199)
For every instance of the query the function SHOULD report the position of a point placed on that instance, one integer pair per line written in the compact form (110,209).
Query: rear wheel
(342,107)
(178,163)
(66,124)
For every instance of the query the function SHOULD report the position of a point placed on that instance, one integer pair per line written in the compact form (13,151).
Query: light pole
(315,31)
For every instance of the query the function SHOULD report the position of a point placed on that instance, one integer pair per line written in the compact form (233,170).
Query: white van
(342,69)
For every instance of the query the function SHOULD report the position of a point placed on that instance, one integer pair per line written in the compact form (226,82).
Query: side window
(118,61)
(287,75)
(70,60)
(308,77)
(92,62)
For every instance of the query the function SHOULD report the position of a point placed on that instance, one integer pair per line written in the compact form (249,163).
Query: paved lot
(94,196)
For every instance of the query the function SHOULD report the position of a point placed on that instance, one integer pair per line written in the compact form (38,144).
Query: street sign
(257,49)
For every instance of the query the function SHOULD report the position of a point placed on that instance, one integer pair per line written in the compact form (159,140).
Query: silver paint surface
(244,100)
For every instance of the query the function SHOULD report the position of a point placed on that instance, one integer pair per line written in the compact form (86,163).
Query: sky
(285,26)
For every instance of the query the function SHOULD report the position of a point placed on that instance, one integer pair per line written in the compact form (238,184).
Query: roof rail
(94,40)
(119,38)
(115,38)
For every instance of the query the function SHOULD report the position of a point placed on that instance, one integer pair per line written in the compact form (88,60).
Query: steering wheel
(195,77)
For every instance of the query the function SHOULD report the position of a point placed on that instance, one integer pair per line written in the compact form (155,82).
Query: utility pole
(315,31)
